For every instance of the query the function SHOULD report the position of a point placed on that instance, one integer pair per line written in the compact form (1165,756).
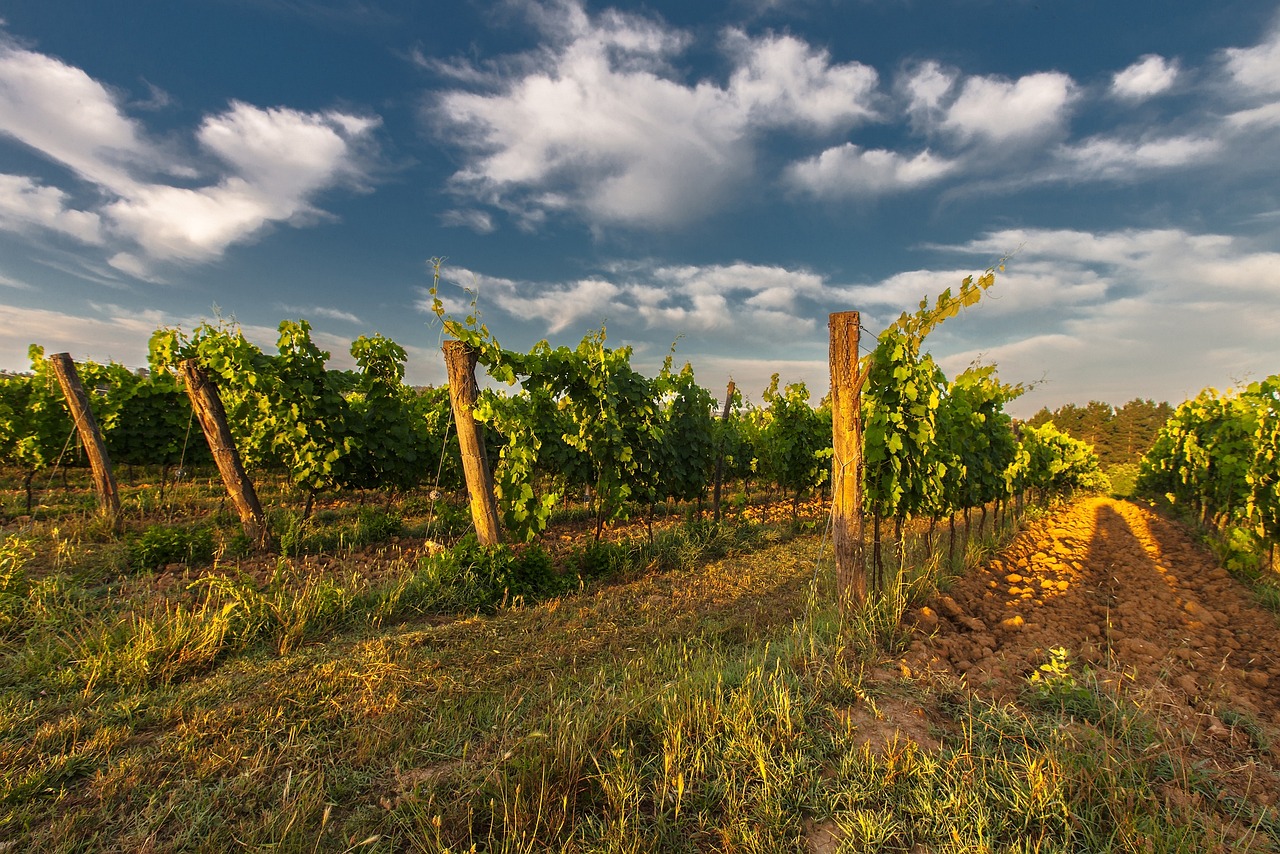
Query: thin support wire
(53,471)
(444,449)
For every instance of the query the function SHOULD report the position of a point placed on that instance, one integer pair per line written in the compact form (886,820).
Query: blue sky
(724,175)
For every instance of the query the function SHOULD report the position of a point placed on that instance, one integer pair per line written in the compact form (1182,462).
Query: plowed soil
(1133,597)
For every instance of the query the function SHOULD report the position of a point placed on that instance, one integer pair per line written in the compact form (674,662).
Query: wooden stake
(460,362)
(104,480)
(846,466)
(208,408)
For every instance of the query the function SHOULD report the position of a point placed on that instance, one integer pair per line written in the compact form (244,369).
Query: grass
(706,698)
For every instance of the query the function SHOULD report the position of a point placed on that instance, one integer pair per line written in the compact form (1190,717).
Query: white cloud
(313,311)
(1100,157)
(1151,75)
(478,221)
(1263,117)
(560,306)
(1002,110)
(1136,313)
(276,162)
(285,152)
(604,128)
(132,265)
(110,334)
(9,282)
(926,86)
(24,203)
(69,117)
(775,303)
(282,159)
(852,171)
(781,81)
(1257,69)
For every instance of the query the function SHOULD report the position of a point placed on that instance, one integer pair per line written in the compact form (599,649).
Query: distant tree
(1118,436)
(1137,424)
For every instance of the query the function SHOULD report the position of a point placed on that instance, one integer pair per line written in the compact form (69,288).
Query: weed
(15,553)
(162,544)
(1053,686)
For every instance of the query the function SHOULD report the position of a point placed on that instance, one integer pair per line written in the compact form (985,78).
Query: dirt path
(1135,598)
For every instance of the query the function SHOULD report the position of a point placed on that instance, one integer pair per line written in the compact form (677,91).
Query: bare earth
(1133,597)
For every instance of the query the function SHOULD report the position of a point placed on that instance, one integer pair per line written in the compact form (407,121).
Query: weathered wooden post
(460,363)
(104,480)
(724,418)
(208,408)
(846,464)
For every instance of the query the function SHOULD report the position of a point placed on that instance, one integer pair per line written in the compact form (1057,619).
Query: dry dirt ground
(1134,598)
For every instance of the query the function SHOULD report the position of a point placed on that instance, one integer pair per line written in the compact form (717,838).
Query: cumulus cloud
(1151,75)
(603,127)
(782,81)
(849,170)
(1000,110)
(270,164)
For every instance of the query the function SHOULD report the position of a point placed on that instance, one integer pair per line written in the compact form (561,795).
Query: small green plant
(1052,686)
(161,544)
(1268,594)
(375,525)
(601,559)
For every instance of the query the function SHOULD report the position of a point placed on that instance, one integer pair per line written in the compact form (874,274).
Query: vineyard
(303,633)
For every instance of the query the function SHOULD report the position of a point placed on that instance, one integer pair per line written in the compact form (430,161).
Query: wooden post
(724,417)
(846,464)
(208,408)
(460,362)
(104,481)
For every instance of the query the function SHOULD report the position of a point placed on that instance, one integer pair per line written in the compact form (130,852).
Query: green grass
(707,698)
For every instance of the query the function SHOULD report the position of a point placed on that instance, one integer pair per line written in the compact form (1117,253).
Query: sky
(717,177)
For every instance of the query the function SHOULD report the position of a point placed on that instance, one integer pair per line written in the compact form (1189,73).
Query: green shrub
(375,525)
(601,559)
(161,544)
(473,576)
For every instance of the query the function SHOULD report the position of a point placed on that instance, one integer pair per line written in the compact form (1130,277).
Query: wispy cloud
(1108,158)
(17,285)
(478,221)
(313,311)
